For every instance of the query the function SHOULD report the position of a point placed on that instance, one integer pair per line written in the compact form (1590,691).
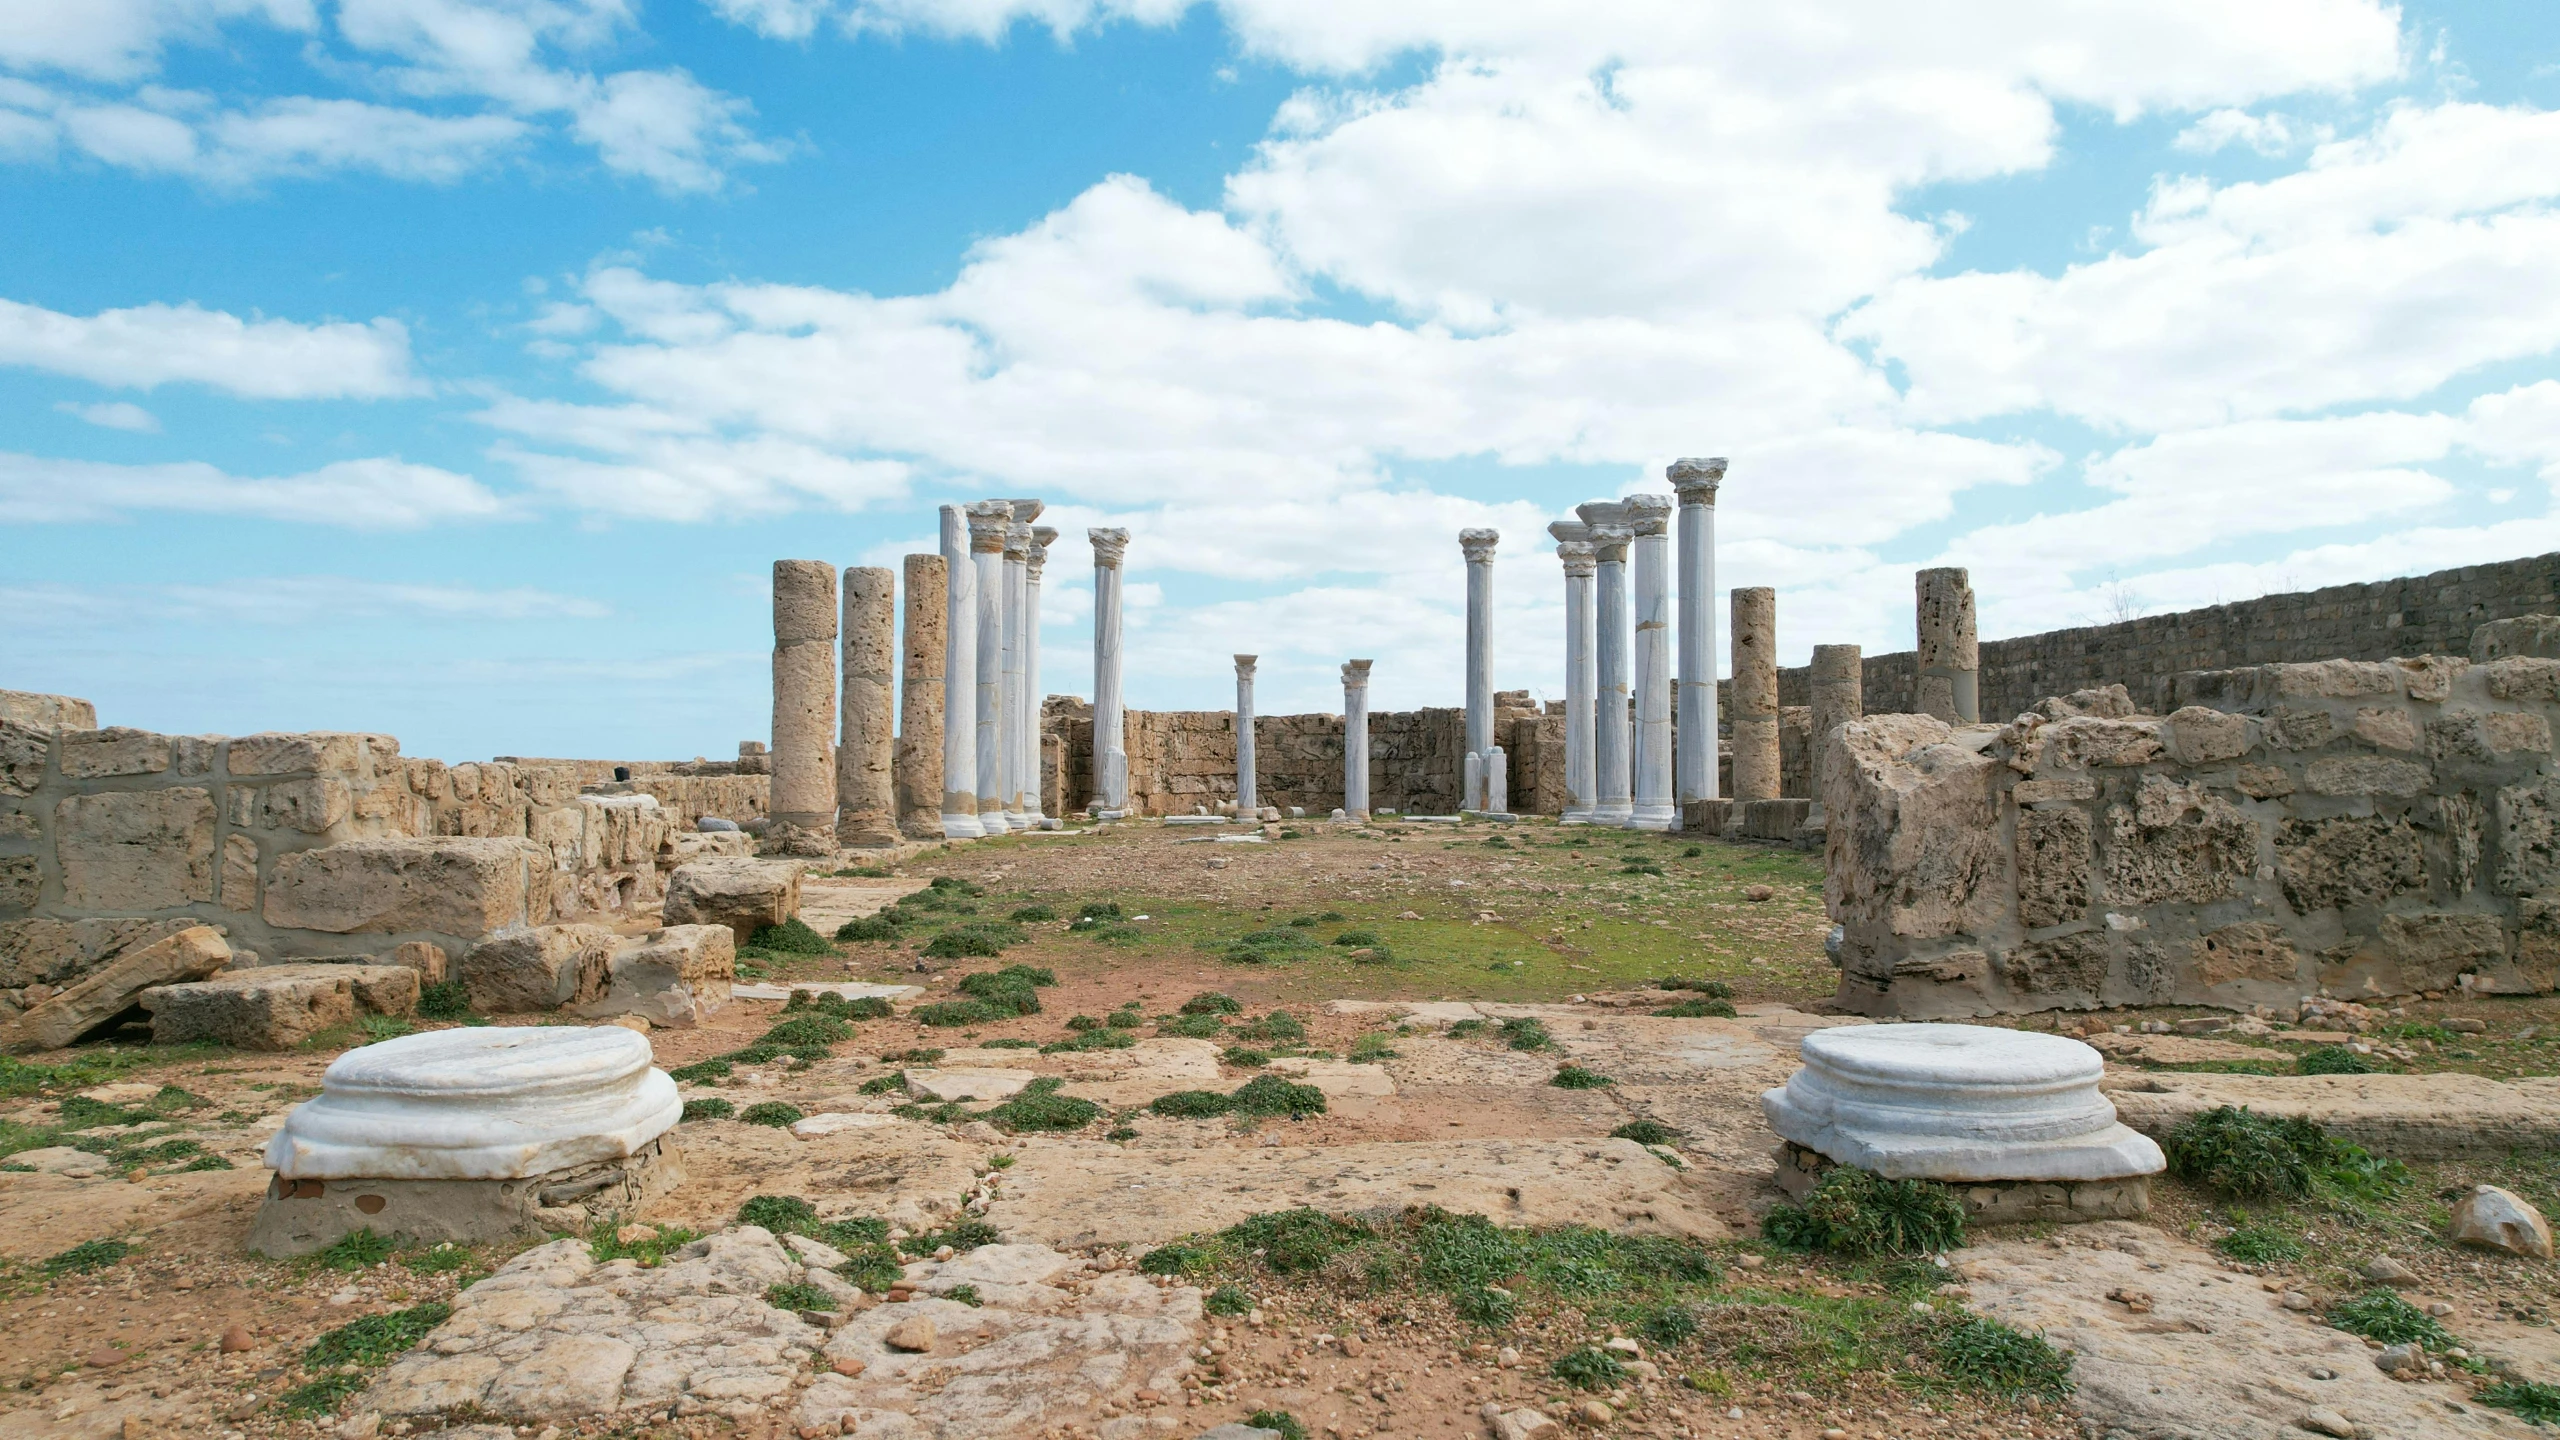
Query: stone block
(1914,830)
(744,894)
(524,969)
(239,873)
(2264,782)
(2249,950)
(24,753)
(671,978)
(2496,1219)
(313,806)
(276,1007)
(2044,792)
(2365,775)
(2522,679)
(430,961)
(2067,965)
(2537,636)
(19,825)
(2526,829)
(322,752)
(47,712)
(2386,729)
(21,882)
(451,886)
(2054,860)
(96,754)
(2176,844)
(2326,864)
(2198,736)
(2293,728)
(2431,950)
(190,954)
(2088,741)
(2334,679)
(135,849)
(41,950)
(300,1217)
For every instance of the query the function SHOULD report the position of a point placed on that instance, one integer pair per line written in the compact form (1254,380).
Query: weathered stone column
(866,795)
(1110,738)
(1612,754)
(804,707)
(1950,654)
(1654,808)
(989,522)
(959,679)
(1755,694)
(1694,766)
(920,739)
(1478,545)
(1248,795)
(1581,672)
(1839,687)
(1032,700)
(1017,603)
(1355,740)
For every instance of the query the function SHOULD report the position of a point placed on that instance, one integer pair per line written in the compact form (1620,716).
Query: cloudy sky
(456,368)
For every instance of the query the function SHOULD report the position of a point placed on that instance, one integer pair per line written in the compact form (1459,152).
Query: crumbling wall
(739,790)
(2357,828)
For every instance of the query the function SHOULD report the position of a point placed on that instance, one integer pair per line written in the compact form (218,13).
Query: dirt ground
(1405,931)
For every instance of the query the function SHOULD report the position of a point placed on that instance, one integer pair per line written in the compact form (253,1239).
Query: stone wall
(739,790)
(2413,615)
(2360,828)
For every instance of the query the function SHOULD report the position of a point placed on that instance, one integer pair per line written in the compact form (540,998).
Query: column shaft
(1839,691)
(804,707)
(866,751)
(1950,654)
(988,522)
(1478,545)
(925,640)
(1612,751)
(1034,704)
(1110,740)
(1653,807)
(1695,765)
(1355,740)
(1755,694)
(1017,553)
(1248,795)
(959,680)
(1581,674)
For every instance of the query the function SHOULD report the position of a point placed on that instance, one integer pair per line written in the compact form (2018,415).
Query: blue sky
(456,368)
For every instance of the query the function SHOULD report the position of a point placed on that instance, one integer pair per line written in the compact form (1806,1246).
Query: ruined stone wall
(2412,615)
(739,790)
(2361,828)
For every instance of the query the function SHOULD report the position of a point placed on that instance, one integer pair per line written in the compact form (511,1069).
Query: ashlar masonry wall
(2357,828)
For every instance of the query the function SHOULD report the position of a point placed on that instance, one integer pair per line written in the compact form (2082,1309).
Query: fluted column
(1477,545)
(1950,655)
(1654,808)
(1110,740)
(1694,767)
(1248,795)
(804,707)
(1032,700)
(1581,675)
(866,751)
(989,523)
(924,641)
(1612,753)
(1355,740)
(959,679)
(1755,694)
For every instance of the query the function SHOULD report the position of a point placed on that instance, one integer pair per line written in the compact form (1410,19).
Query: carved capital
(1478,545)
(1109,546)
(1041,538)
(1017,541)
(989,522)
(1244,666)
(1580,557)
(1355,674)
(1649,514)
(1696,480)
(1026,511)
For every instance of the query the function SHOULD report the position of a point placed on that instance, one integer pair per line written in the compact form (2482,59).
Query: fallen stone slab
(276,1007)
(1067,1194)
(744,894)
(191,954)
(1336,1077)
(61,1160)
(2181,1049)
(671,978)
(530,968)
(1436,1012)
(2407,1117)
(462,886)
(949,1085)
(835,1122)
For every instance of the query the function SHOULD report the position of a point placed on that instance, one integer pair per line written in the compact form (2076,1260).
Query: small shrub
(1692,852)
(1984,1354)
(1353,938)
(445,1000)
(1278,1027)
(2382,1315)
(1574,1077)
(964,1295)
(952,1014)
(711,1109)
(1269,947)
(1105,1038)
(812,1028)
(791,937)
(1526,1033)
(781,1214)
(777,1113)
(1588,1368)
(954,885)
(923,1055)
(1192,1104)
(1244,1057)
(1698,1010)
(798,1295)
(1210,1002)
(1083,1022)
(1646,1132)
(321,1396)
(1461,1029)
(359,1251)
(1124,1019)
(1641,867)
(1228,1300)
(1191,1027)
(2333,1060)
(1032,914)
(888,1084)
(1005,1043)
(1372,1048)
(1670,1325)
(964,1235)
(1098,910)
(1173,1260)
(2238,1153)
(376,1339)
(1280,1420)
(1304,922)
(89,1255)
(1039,1106)
(868,927)
(1853,1212)
(1712,989)
(958,944)
(2259,1245)
(702,1072)
(2528,1399)
(1291,1242)
(444,1259)
(1271,1095)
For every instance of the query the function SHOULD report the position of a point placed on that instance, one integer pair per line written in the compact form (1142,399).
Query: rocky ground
(1431,985)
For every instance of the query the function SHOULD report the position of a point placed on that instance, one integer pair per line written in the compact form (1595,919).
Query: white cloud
(151,345)
(122,39)
(378,494)
(112,415)
(2271,134)
(288,600)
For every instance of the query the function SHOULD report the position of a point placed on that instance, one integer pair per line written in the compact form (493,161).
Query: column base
(1575,817)
(993,822)
(960,827)
(1617,815)
(1033,818)
(1654,817)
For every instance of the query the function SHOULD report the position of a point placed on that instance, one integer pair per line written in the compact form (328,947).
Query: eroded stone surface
(2409,1117)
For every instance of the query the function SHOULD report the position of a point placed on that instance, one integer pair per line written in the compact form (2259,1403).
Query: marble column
(1755,694)
(1110,739)
(866,795)
(989,522)
(959,679)
(1581,673)
(1017,606)
(804,707)
(1248,795)
(1839,696)
(1355,740)
(1612,753)
(1950,654)
(1654,807)
(925,640)
(1694,766)
(1034,704)
(1477,545)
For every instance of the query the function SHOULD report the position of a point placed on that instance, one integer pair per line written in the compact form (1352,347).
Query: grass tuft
(1854,1212)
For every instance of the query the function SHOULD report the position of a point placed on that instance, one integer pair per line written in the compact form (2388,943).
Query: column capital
(1355,674)
(1017,541)
(1244,666)
(1041,538)
(1026,511)
(1649,514)
(1580,557)
(1696,480)
(1108,547)
(1478,545)
(1597,513)
(989,522)
(1569,530)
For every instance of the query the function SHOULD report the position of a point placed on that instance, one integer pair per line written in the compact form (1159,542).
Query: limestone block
(2347,860)
(2247,950)
(2533,635)
(324,752)
(526,968)
(2407,1117)
(2430,677)
(2293,728)
(239,873)
(313,806)
(2067,965)
(2087,740)
(2054,861)
(430,961)
(687,845)
(2526,821)
(276,1007)
(2365,775)
(2536,966)
(2177,844)
(24,752)
(120,750)
(2496,1219)
(2386,729)
(671,978)
(479,1103)
(1914,840)
(744,894)
(41,950)
(2069,787)
(190,954)
(2198,736)
(2334,679)
(21,882)
(456,886)
(19,825)
(2522,679)
(300,1217)
(2431,950)
(46,712)
(2264,782)
(135,849)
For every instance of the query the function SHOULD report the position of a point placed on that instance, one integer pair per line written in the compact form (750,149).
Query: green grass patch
(2526,1399)
(791,937)
(1192,1104)
(1271,1095)
(1588,1368)
(1574,1077)
(1646,1132)
(2242,1155)
(1227,1300)
(1191,1027)
(780,1114)
(710,1109)
(324,1395)
(1698,1010)
(798,1295)
(1039,1107)
(1526,1033)
(2382,1315)
(1032,914)
(1982,1354)
(377,1339)
(1280,1420)
(1211,1002)
(2333,1060)
(864,929)
(1371,1048)
(1244,1057)
(1357,938)
(1278,1028)
(86,1256)
(445,1000)
(703,1072)
(361,1250)
(2259,1245)
(1854,1212)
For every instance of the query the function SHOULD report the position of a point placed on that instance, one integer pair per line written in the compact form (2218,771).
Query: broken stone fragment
(913,1335)
(744,894)
(190,954)
(276,1007)
(2497,1219)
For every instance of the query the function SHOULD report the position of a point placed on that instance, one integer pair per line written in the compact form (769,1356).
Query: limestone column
(1033,702)
(1355,740)
(1654,808)
(1478,545)
(989,522)
(1110,740)
(866,795)
(804,707)
(1695,764)
(1612,754)
(1950,654)
(920,735)
(1581,673)
(1755,694)
(1248,796)
(959,679)
(1839,696)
